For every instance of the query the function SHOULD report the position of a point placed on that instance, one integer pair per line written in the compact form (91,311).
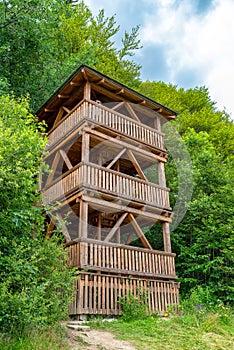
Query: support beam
(66,109)
(63,227)
(106,92)
(113,140)
(139,232)
(66,159)
(136,165)
(59,116)
(129,239)
(118,207)
(50,229)
(53,168)
(166,237)
(85,147)
(119,155)
(161,175)
(87,91)
(116,107)
(131,111)
(115,227)
(83,219)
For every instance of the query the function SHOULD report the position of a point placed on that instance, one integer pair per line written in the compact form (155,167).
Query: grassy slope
(47,339)
(192,331)
(209,331)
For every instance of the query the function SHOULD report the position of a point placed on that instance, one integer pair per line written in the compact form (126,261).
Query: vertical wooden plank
(90,257)
(95,291)
(132,252)
(107,294)
(99,293)
(99,255)
(103,305)
(106,262)
(126,263)
(136,255)
(140,262)
(129,258)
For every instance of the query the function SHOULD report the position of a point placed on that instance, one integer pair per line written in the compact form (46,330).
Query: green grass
(192,331)
(197,328)
(37,339)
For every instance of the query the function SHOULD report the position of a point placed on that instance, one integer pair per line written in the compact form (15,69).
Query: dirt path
(95,340)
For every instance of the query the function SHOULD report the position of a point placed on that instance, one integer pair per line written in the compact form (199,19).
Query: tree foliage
(43,41)
(34,284)
(204,240)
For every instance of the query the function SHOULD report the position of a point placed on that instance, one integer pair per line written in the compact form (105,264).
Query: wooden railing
(101,115)
(106,180)
(100,294)
(122,259)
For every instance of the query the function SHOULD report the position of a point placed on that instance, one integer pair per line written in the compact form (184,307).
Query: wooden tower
(106,151)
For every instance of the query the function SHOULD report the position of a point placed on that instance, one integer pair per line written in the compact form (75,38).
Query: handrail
(103,168)
(120,245)
(94,176)
(101,115)
(122,259)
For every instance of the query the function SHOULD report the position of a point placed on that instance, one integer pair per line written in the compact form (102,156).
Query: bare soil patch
(95,340)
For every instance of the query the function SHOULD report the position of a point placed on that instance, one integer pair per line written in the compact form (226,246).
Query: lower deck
(110,271)
(98,294)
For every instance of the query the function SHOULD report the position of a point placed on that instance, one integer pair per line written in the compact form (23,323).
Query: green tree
(42,42)
(203,241)
(34,284)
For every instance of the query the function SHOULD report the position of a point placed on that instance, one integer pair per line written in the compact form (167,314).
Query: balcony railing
(122,259)
(108,181)
(101,115)
(100,294)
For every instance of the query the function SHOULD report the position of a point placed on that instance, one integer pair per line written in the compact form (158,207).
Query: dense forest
(41,43)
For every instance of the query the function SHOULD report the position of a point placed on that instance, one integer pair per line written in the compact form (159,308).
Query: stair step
(78,327)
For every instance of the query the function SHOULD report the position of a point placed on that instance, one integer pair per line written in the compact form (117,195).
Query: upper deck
(104,117)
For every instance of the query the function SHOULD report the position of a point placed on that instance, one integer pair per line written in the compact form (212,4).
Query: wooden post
(157,123)
(83,220)
(118,233)
(87,91)
(99,227)
(85,147)
(161,175)
(166,237)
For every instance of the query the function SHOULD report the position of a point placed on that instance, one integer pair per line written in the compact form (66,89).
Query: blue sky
(185,42)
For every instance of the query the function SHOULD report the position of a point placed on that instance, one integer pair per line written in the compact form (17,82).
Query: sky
(188,43)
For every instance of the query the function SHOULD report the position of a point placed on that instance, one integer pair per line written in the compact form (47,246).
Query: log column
(85,147)
(165,225)
(161,175)
(83,219)
(83,212)
(166,237)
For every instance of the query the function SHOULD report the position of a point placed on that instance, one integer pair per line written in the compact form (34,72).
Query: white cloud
(204,43)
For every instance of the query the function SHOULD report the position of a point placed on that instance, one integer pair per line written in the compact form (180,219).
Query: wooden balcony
(102,116)
(109,257)
(107,181)
(100,294)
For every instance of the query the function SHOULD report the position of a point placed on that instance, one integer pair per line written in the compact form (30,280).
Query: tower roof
(104,88)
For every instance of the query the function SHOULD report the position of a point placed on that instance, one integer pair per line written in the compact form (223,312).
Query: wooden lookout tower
(106,151)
